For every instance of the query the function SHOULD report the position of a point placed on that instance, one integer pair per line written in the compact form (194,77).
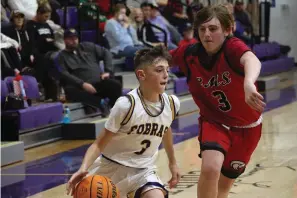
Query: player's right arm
(112,126)
(91,155)
(178,56)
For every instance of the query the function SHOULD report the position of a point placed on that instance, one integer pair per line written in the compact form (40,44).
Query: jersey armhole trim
(130,111)
(172,106)
(235,69)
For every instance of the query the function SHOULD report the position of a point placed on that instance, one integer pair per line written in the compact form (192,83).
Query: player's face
(156,76)
(212,35)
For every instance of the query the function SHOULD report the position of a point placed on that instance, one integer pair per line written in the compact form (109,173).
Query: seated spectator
(7,42)
(43,35)
(81,76)
(4,18)
(230,9)
(43,38)
(241,16)
(193,8)
(158,25)
(55,5)
(28,7)
(176,12)
(10,58)
(188,37)
(120,35)
(137,19)
(17,31)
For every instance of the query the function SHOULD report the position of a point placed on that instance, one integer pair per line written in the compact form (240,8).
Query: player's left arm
(243,59)
(252,67)
(167,142)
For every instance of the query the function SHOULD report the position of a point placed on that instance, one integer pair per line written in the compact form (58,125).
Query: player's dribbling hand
(76,177)
(253,98)
(175,175)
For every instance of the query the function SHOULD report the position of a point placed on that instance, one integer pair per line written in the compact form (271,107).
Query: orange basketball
(96,187)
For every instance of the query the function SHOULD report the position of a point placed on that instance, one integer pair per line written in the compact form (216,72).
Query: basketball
(96,187)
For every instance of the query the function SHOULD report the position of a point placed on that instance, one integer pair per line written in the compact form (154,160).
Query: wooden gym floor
(271,173)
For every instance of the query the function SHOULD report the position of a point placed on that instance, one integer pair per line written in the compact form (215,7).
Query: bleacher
(41,123)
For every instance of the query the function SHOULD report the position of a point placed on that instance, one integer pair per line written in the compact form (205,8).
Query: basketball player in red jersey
(221,72)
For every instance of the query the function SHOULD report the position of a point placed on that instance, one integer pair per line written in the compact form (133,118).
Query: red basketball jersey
(216,85)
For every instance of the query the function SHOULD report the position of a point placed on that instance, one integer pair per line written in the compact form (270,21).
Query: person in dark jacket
(83,78)
(18,31)
(44,45)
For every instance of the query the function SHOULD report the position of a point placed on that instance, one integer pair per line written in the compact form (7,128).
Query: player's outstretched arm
(168,146)
(91,155)
(252,67)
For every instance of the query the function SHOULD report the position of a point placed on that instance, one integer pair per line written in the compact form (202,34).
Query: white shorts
(131,182)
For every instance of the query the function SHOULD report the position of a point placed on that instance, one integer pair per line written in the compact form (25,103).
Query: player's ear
(227,31)
(140,74)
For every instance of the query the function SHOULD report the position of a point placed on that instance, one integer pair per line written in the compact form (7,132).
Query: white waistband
(254,124)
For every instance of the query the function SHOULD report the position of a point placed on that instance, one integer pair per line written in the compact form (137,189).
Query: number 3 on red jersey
(224,104)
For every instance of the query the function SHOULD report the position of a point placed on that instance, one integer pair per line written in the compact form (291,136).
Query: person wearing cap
(155,25)
(81,75)
(241,16)
(17,31)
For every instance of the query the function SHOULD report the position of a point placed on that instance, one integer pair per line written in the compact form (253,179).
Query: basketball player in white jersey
(137,125)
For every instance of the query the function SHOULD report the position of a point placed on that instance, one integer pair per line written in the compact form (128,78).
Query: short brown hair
(44,8)
(118,7)
(208,13)
(145,57)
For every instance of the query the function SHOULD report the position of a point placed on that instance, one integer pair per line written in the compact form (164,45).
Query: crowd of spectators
(31,32)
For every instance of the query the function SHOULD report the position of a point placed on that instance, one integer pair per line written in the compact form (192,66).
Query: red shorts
(237,145)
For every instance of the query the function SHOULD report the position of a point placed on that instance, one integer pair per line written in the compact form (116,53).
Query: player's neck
(149,95)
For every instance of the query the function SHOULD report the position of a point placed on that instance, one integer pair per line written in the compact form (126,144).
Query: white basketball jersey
(136,142)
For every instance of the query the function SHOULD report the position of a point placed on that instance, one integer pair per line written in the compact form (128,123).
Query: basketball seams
(107,186)
(103,188)
(91,186)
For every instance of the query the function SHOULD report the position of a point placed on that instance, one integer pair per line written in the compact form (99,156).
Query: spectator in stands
(188,37)
(42,33)
(230,9)
(7,42)
(28,7)
(43,37)
(83,79)
(137,20)
(17,31)
(4,18)
(175,36)
(120,35)
(155,27)
(194,7)
(176,12)
(10,58)
(55,5)
(241,16)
